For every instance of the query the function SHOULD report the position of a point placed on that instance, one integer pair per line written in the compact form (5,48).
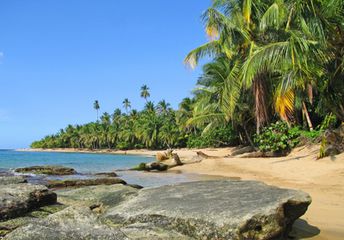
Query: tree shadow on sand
(303,230)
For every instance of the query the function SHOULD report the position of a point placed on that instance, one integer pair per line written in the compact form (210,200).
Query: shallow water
(87,163)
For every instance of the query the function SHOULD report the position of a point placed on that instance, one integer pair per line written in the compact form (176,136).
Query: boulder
(84,182)
(157,166)
(72,223)
(12,180)
(48,170)
(18,199)
(153,166)
(161,156)
(215,209)
(105,195)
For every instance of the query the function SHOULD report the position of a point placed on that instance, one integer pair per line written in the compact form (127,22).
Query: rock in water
(48,170)
(12,180)
(84,182)
(18,199)
(216,209)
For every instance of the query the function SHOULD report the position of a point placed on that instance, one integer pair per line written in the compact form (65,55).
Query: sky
(57,57)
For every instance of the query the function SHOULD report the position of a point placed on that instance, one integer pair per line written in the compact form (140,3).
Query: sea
(87,164)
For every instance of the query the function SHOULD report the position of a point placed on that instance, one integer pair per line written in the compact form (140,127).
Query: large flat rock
(216,209)
(244,210)
(47,170)
(17,199)
(73,223)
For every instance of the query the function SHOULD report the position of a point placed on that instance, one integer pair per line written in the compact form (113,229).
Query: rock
(84,182)
(48,170)
(140,167)
(215,209)
(18,199)
(105,195)
(153,166)
(12,180)
(137,186)
(161,157)
(107,174)
(72,223)
(157,166)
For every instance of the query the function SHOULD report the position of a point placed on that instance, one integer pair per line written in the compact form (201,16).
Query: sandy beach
(322,179)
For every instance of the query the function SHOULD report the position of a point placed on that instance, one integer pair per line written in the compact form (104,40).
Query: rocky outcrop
(18,199)
(48,170)
(216,209)
(12,180)
(104,195)
(197,210)
(106,174)
(73,223)
(84,182)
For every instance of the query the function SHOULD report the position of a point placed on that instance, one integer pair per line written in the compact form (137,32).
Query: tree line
(271,61)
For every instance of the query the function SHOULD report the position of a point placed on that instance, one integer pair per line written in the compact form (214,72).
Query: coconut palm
(126,104)
(145,92)
(96,106)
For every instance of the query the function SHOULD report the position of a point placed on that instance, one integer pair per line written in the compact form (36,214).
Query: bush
(277,138)
(219,137)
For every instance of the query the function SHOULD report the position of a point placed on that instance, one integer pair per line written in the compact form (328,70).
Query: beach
(323,179)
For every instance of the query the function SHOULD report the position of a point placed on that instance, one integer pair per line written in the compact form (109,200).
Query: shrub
(277,138)
(217,137)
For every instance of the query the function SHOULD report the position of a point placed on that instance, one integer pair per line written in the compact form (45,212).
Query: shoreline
(322,179)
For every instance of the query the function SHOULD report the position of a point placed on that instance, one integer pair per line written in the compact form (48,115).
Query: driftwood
(176,159)
(242,150)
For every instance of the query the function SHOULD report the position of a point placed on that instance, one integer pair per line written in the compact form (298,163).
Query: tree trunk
(261,106)
(305,112)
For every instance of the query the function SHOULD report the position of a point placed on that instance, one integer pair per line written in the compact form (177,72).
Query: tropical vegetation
(267,61)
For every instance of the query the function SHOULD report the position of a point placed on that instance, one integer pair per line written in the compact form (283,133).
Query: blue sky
(57,57)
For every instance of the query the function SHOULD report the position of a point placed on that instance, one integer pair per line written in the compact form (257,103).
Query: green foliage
(329,122)
(277,138)
(218,137)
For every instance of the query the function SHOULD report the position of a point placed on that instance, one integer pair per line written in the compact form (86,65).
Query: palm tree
(96,106)
(163,107)
(145,92)
(126,104)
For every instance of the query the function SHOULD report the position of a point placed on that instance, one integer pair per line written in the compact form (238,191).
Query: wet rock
(12,180)
(153,166)
(18,199)
(107,174)
(73,223)
(84,182)
(215,209)
(105,195)
(48,170)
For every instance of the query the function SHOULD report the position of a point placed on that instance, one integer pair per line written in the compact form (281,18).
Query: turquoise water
(81,162)
(86,164)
